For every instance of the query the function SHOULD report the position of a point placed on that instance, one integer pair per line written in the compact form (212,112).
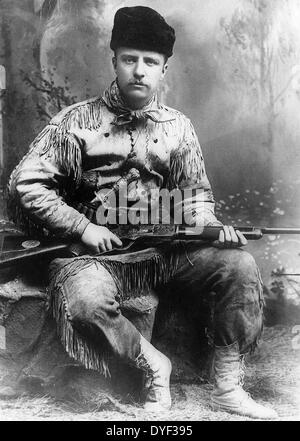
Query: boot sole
(219,408)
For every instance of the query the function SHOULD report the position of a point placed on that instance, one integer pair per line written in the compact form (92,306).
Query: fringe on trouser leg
(76,346)
(134,275)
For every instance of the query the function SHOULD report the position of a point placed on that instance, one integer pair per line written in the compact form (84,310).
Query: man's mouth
(138,84)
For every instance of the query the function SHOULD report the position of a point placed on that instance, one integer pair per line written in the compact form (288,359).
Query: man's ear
(114,63)
(164,70)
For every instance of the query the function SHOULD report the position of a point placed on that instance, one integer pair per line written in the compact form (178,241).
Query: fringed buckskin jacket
(88,146)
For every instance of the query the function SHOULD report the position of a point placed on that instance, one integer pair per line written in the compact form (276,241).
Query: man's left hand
(230,238)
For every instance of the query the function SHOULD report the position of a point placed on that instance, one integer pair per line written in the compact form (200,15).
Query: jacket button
(155,140)
(106,135)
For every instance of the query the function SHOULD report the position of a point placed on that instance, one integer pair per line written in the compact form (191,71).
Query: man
(91,146)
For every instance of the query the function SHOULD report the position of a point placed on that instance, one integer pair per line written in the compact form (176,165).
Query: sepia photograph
(149,213)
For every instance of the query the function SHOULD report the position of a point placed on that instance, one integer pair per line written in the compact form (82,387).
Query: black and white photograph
(149,213)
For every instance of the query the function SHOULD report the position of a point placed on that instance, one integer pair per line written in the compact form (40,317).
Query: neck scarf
(124,115)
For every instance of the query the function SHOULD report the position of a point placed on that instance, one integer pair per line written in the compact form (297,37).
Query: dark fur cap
(142,28)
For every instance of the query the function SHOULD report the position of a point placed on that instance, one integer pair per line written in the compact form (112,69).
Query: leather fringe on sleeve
(58,144)
(185,166)
(186,162)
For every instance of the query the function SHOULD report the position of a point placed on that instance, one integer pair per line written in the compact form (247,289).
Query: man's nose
(139,71)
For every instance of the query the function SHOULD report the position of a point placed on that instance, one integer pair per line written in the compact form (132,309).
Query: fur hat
(142,28)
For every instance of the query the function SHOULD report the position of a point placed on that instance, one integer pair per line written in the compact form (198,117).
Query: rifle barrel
(280,230)
(250,233)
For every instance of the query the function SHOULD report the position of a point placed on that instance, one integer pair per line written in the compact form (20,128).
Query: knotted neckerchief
(125,115)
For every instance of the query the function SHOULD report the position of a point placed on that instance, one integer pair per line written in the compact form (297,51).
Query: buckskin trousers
(93,297)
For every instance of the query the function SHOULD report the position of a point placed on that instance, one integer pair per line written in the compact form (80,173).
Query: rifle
(16,248)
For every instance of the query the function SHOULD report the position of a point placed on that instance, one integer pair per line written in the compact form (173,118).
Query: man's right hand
(98,239)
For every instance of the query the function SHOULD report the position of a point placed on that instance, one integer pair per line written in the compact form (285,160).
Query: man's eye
(129,60)
(151,62)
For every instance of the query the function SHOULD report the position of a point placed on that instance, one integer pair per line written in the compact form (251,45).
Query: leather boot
(157,368)
(228,394)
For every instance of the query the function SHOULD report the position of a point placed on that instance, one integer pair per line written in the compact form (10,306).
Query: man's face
(139,73)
